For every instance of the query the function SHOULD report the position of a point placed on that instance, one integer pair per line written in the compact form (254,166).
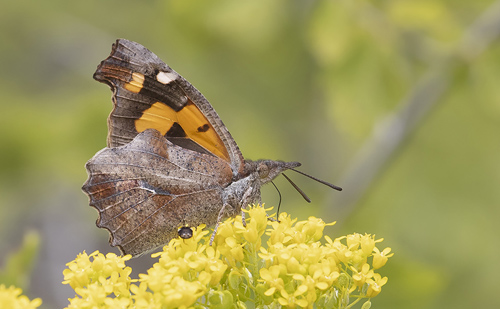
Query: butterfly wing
(147,93)
(145,190)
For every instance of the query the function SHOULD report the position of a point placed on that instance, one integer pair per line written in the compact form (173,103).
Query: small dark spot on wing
(203,128)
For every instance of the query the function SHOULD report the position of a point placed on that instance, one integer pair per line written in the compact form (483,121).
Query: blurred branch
(389,135)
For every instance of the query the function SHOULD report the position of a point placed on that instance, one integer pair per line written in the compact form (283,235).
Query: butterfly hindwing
(144,191)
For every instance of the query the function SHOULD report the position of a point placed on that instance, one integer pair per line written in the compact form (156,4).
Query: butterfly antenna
(297,188)
(279,203)
(314,178)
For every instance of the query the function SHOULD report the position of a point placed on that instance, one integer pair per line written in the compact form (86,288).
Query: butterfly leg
(244,203)
(219,219)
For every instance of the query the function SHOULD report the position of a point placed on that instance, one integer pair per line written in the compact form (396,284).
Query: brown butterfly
(170,163)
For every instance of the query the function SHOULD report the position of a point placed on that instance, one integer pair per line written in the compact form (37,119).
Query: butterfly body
(170,161)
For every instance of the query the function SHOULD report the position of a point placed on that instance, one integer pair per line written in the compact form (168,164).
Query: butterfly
(170,162)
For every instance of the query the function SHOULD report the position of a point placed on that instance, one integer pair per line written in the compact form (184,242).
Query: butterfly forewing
(147,93)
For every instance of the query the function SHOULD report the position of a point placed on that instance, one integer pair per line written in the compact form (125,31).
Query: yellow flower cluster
(186,270)
(296,267)
(100,281)
(12,298)
(354,256)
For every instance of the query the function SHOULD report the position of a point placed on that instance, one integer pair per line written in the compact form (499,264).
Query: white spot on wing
(165,78)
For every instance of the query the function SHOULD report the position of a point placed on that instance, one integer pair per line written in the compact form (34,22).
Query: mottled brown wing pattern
(145,190)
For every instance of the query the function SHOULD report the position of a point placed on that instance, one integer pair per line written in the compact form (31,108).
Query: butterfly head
(269,169)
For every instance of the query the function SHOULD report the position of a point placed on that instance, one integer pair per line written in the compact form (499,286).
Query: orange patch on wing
(196,126)
(135,85)
(159,116)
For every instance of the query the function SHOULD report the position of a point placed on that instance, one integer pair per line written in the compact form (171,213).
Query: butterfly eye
(263,170)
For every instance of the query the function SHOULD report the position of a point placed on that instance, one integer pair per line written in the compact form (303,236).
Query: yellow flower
(272,277)
(12,298)
(361,276)
(367,244)
(375,285)
(312,229)
(380,258)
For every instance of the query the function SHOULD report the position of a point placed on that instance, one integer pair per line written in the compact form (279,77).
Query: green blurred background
(397,101)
